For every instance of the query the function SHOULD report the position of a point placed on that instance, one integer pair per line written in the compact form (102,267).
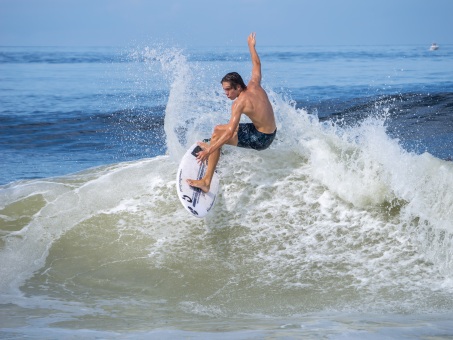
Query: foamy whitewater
(337,231)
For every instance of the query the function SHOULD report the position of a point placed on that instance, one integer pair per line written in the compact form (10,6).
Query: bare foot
(199,184)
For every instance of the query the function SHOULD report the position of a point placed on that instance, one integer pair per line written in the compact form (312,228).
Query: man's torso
(258,108)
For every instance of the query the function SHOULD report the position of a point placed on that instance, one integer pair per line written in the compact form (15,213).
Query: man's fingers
(200,156)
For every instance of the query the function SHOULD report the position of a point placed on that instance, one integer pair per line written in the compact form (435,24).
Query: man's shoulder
(253,84)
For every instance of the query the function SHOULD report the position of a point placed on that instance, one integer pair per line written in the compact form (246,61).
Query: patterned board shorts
(249,137)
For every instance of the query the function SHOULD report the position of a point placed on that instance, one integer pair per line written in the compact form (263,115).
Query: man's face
(230,91)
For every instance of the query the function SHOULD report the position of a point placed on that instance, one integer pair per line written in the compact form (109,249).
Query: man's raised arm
(256,63)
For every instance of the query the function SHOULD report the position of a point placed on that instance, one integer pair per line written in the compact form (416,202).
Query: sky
(216,23)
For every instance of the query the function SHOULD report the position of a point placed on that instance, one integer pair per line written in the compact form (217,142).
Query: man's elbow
(257,61)
(230,133)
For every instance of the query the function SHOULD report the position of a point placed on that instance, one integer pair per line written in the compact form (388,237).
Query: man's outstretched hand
(251,39)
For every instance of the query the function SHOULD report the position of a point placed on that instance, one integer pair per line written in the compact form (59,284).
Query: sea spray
(191,105)
(360,163)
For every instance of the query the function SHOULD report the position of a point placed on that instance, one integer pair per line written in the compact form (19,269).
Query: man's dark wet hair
(234,79)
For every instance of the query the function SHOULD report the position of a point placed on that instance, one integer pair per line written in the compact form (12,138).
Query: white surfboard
(195,200)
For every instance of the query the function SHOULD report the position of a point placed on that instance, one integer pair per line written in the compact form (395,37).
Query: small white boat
(434,47)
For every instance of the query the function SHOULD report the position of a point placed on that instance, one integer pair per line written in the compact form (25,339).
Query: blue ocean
(343,229)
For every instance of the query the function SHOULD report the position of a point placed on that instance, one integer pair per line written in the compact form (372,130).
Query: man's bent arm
(229,133)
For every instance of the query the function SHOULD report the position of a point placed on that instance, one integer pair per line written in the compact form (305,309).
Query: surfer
(251,100)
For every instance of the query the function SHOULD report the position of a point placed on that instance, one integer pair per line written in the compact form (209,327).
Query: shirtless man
(250,100)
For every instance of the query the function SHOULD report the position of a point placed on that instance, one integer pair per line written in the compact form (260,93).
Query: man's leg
(205,183)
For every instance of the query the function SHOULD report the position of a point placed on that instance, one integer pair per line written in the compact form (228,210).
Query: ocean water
(343,229)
